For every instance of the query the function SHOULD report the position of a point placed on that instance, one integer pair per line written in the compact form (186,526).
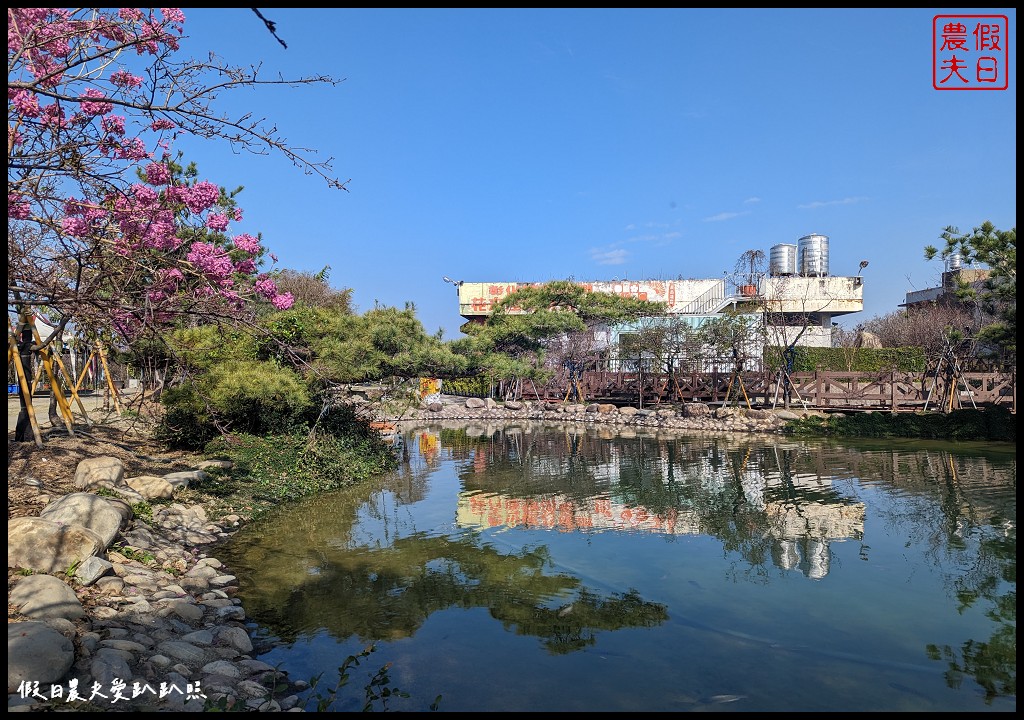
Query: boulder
(696,409)
(44,597)
(88,510)
(103,471)
(36,653)
(151,487)
(47,546)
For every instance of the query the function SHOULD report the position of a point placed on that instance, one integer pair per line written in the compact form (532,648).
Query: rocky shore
(116,604)
(691,417)
(115,611)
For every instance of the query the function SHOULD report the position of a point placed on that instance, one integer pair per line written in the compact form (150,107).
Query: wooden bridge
(823,390)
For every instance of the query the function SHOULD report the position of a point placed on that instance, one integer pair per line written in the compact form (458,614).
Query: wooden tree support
(737,379)
(52,363)
(13,356)
(98,352)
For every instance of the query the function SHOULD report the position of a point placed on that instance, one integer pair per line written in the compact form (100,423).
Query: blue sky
(538,144)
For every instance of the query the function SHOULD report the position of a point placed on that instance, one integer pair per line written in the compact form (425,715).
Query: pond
(583,568)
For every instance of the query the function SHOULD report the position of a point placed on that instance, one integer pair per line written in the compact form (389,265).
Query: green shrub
(257,397)
(243,396)
(276,468)
(186,421)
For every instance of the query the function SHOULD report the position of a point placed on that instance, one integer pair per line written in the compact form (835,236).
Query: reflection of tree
(571,626)
(387,593)
(958,508)
(993,663)
(532,461)
(767,501)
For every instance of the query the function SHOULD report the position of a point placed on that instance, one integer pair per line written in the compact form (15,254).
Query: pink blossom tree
(105,229)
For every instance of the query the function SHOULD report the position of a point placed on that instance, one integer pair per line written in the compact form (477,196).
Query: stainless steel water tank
(782,260)
(812,255)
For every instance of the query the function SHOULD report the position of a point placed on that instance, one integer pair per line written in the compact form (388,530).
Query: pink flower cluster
(93,107)
(17,207)
(124,79)
(247,243)
(145,220)
(211,260)
(158,174)
(24,103)
(266,287)
(199,197)
(217,222)
(113,124)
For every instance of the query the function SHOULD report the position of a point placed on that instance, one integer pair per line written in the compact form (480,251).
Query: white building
(796,299)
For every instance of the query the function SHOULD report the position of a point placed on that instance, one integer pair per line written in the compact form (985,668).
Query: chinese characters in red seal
(970,52)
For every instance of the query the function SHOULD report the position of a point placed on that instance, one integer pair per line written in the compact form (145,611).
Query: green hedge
(809,359)
(993,424)
(476,386)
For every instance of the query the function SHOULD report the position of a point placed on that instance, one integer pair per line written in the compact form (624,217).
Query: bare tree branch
(271,26)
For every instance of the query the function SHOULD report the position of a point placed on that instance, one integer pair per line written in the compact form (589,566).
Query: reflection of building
(557,512)
(777,498)
(810,555)
(801,531)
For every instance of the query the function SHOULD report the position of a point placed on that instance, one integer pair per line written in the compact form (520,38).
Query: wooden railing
(890,390)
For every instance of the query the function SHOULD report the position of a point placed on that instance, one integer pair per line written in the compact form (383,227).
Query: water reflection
(753,497)
(569,535)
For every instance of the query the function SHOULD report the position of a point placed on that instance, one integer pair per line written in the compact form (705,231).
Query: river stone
(234,637)
(224,668)
(101,471)
(92,569)
(181,479)
(89,511)
(128,495)
(36,652)
(44,596)
(186,652)
(47,546)
(696,409)
(202,637)
(108,666)
(151,487)
(218,464)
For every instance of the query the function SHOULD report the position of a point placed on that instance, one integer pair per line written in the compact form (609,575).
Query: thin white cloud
(609,257)
(642,238)
(825,203)
(724,216)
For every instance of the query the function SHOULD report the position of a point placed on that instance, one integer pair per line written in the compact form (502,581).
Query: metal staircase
(719,296)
